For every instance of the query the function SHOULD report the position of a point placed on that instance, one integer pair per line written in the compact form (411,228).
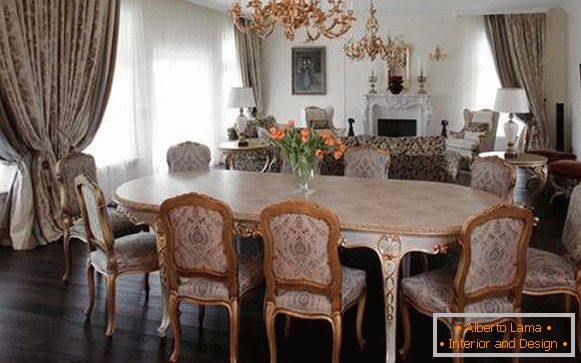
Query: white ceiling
(437,7)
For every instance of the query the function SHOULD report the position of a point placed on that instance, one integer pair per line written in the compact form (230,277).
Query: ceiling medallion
(294,15)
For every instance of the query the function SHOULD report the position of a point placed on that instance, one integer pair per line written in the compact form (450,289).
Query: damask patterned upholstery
(352,286)
(67,170)
(98,229)
(412,158)
(120,225)
(366,163)
(493,175)
(321,119)
(249,277)
(199,240)
(433,292)
(493,254)
(549,271)
(134,252)
(300,248)
(478,134)
(188,156)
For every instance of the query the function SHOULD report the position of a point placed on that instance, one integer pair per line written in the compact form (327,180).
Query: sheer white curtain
(176,63)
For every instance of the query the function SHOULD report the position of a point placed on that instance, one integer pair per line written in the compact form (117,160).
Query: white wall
(450,82)
(573,61)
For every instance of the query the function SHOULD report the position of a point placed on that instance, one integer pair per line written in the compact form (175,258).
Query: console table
(391,217)
(232,151)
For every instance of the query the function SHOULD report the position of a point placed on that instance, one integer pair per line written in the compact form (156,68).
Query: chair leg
(67,255)
(146,283)
(518,321)
(457,334)
(337,331)
(567,303)
(201,315)
(234,328)
(407,329)
(177,329)
(359,321)
(269,318)
(111,280)
(91,287)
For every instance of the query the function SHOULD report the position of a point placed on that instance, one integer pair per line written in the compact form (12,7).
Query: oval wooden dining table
(391,217)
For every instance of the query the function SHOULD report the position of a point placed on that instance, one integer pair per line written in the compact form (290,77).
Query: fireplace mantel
(402,106)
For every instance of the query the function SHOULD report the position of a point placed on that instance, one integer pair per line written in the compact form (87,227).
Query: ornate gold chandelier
(294,15)
(392,50)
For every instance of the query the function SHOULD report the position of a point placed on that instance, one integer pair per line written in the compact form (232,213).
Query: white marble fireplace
(397,107)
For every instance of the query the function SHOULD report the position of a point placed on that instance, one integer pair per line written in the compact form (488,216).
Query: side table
(531,175)
(232,152)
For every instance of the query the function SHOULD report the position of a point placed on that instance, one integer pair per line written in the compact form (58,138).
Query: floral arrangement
(302,147)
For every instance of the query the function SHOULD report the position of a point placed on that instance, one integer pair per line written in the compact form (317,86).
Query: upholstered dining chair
(488,279)
(304,277)
(66,170)
(366,163)
(201,263)
(494,175)
(109,256)
(549,273)
(188,156)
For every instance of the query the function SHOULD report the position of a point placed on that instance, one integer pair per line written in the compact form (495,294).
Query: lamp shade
(241,97)
(511,100)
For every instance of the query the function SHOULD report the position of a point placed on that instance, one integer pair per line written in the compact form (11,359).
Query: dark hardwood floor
(42,320)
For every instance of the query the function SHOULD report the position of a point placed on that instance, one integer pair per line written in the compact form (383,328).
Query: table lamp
(241,97)
(511,100)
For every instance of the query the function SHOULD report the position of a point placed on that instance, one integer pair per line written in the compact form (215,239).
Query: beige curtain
(56,69)
(249,49)
(517,42)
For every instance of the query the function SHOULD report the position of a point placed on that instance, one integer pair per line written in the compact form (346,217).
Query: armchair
(321,119)
(478,134)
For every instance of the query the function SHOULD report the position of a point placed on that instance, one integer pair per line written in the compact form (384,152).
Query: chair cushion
(566,168)
(202,288)
(306,302)
(433,291)
(463,144)
(546,271)
(120,226)
(133,252)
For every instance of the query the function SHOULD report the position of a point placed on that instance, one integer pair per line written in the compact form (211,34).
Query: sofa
(416,158)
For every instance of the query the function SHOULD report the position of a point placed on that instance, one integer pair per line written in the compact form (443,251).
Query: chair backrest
(493,257)
(483,122)
(366,163)
(95,217)
(66,170)
(572,229)
(198,232)
(319,118)
(301,250)
(493,175)
(188,156)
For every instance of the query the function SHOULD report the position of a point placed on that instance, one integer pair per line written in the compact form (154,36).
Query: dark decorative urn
(395,85)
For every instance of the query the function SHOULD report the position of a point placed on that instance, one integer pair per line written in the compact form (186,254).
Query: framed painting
(308,71)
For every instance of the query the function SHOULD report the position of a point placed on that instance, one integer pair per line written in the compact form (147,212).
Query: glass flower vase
(304,174)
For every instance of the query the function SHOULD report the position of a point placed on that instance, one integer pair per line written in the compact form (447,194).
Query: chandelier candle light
(302,148)
(511,100)
(293,15)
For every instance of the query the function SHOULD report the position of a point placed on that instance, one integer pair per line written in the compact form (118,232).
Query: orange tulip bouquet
(302,148)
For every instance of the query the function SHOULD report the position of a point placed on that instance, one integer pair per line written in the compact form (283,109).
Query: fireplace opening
(396,127)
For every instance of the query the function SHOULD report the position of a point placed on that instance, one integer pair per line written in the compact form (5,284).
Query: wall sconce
(438,54)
